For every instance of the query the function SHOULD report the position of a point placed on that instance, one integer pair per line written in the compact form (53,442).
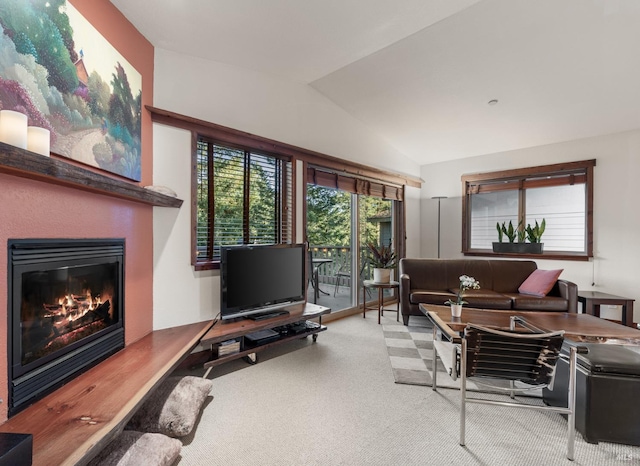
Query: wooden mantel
(26,164)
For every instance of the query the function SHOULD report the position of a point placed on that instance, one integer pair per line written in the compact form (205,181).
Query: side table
(380,287)
(592,300)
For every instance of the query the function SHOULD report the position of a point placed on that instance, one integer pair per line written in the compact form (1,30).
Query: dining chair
(525,358)
(344,273)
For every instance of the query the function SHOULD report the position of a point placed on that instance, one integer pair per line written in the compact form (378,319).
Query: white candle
(13,128)
(38,140)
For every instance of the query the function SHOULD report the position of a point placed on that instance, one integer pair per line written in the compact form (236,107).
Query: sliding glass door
(339,226)
(329,233)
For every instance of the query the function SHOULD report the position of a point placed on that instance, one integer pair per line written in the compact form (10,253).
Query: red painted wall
(34,209)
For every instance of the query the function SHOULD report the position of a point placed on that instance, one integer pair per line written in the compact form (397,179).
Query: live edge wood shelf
(72,424)
(26,164)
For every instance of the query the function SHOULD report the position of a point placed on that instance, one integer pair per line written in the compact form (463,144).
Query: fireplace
(66,312)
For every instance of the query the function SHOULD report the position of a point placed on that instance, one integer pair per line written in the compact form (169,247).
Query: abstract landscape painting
(56,68)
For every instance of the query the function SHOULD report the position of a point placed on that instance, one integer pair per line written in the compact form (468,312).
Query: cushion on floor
(132,448)
(173,408)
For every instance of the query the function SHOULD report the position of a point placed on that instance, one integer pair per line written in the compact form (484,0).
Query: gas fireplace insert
(66,311)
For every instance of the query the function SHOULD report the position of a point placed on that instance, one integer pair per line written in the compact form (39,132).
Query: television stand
(267,315)
(229,340)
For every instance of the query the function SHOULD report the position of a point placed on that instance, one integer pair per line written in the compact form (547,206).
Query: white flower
(466,283)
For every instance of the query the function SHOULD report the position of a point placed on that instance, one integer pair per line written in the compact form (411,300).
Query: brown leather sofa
(433,281)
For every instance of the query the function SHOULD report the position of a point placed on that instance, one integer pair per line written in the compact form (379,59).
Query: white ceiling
(420,73)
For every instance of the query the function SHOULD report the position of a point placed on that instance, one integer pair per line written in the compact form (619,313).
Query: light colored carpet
(335,402)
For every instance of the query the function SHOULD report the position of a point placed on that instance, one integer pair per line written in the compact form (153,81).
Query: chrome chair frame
(491,346)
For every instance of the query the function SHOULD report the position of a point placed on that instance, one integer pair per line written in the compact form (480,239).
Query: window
(242,197)
(258,157)
(561,194)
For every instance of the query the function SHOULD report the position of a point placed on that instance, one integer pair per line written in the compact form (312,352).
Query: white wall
(259,104)
(270,107)
(616,219)
(180,294)
(413,223)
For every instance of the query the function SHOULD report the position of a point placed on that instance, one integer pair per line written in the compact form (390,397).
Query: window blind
(242,198)
(353,184)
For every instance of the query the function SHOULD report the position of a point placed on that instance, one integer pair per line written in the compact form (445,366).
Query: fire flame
(72,307)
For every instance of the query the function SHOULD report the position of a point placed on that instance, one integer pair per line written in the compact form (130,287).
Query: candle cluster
(14,131)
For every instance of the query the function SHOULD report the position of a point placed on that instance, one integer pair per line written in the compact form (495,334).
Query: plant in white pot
(466,283)
(383,259)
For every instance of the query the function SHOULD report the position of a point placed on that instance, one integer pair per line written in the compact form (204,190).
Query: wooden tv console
(238,330)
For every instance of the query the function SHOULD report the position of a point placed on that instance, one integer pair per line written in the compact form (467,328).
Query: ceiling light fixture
(493,102)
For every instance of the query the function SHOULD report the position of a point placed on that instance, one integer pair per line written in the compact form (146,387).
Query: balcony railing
(341,262)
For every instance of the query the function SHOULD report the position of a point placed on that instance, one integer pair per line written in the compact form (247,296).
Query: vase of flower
(456,310)
(466,283)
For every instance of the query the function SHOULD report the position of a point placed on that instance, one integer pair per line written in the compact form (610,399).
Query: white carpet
(335,402)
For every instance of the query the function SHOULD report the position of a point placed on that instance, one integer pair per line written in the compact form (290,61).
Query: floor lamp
(439,198)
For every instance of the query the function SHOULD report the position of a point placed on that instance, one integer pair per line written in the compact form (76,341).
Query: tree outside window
(241,198)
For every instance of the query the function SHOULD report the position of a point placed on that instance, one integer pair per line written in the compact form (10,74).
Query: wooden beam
(272,147)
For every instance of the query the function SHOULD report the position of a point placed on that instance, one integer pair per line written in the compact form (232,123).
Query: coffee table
(593,415)
(581,328)
(578,327)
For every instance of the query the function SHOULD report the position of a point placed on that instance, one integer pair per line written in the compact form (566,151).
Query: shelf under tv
(238,329)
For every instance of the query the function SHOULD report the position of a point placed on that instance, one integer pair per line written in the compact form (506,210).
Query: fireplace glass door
(62,306)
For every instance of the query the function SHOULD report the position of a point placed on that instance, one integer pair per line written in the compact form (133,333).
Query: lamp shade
(38,140)
(13,128)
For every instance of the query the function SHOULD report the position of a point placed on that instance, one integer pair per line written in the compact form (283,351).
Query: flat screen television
(261,279)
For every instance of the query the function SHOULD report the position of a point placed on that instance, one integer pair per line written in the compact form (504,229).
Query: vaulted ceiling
(421,73)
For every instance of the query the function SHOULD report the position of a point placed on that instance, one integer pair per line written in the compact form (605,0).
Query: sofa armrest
(569,291)
(405,290)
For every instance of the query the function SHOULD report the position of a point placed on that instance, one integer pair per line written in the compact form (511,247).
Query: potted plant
(532,234)
(466,283)
(511,233)
(383,259)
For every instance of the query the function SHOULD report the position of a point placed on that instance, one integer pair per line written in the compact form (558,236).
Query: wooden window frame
(283,221)
(522,179)
(259,144)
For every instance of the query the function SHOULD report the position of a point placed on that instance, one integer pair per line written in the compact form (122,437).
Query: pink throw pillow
(540,282)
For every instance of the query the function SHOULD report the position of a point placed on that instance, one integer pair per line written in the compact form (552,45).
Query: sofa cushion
(429,296)
(485,299)
(534,303)
(508,275)
(540,282)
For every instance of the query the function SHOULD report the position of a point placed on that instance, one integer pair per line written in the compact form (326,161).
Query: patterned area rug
(410,351)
